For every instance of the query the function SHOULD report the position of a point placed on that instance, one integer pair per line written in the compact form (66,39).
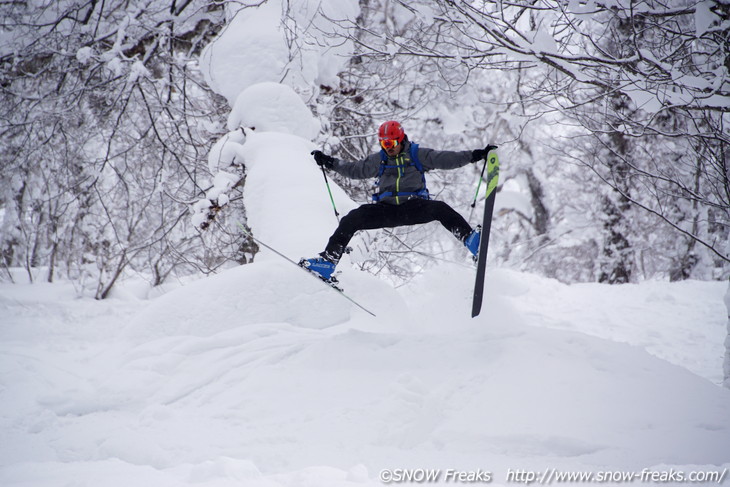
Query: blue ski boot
(320,266)
(472,241)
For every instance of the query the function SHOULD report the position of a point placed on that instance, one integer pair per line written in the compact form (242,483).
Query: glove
(323,160)
(479,154)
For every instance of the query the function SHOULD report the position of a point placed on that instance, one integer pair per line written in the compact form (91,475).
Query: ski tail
(331,283)
(492,181)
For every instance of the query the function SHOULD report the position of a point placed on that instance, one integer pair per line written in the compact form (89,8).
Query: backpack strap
(383,161)
(415,160)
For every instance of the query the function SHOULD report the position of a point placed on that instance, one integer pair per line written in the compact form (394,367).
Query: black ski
(492,180)
(331,284)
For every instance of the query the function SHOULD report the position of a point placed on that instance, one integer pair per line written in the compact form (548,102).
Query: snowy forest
(611,118)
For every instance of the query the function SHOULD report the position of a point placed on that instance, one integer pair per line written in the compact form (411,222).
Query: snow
(261,376)
(251,38)
(512,196)
(256,47)
(273,107)
(544,41)
(280,145)
(453,123)
(84,55)
(704,17)
(227,151)
(287,203)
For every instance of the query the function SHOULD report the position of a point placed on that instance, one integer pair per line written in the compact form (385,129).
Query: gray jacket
(401,180)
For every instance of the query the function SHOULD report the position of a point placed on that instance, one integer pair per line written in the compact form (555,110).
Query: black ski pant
(381,215)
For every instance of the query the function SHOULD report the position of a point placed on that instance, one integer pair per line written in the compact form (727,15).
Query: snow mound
(273,107)
(273,291)
(286,200)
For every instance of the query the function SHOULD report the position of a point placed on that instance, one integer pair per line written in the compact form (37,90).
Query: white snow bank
(273,107)
(637,314)
(273,291)
(435,382)
(220,390)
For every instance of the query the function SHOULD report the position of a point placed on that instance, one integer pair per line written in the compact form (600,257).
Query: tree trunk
(617,251)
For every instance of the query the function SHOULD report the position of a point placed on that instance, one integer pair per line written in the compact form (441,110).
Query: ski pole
(479,184)
(327,183)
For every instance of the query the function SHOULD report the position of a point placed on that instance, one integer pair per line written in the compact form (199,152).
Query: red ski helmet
(391,133)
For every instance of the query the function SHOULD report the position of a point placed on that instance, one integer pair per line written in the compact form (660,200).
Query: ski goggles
(388,143)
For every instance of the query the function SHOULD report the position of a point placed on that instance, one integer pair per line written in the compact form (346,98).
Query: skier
(402,197)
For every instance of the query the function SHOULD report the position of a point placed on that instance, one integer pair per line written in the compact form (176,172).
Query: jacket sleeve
(436,159)
(364,169)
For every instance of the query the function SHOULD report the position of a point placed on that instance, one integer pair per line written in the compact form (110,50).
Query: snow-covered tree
(105,124)
(611,119)
(633,76)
